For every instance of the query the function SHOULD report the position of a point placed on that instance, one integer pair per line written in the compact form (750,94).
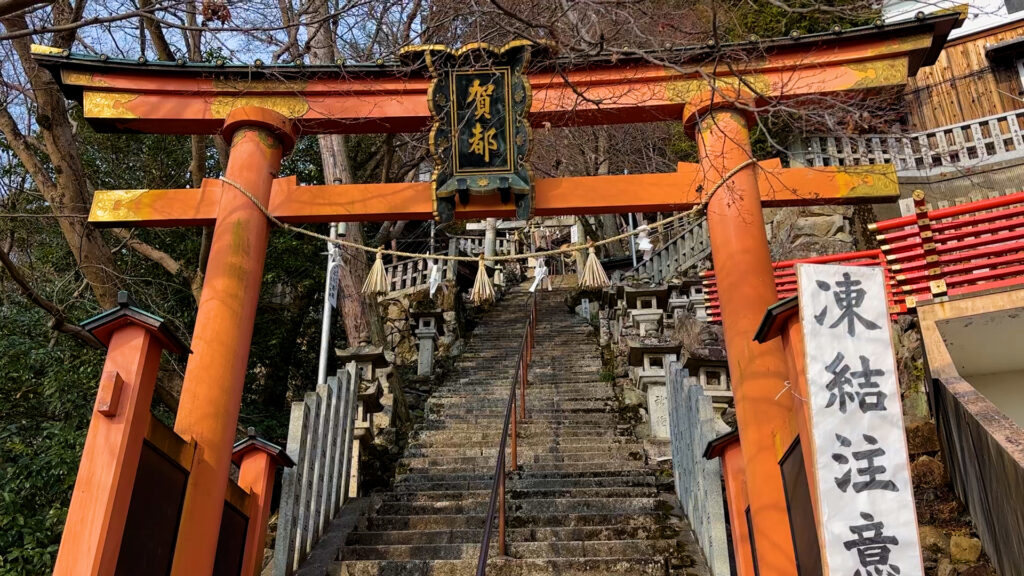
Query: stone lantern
(649,373)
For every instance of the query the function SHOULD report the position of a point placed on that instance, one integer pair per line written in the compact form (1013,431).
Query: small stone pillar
(368,403)
(429,327)
(697,305)
(646,308)
(648,370)
(91,543)
(257,462)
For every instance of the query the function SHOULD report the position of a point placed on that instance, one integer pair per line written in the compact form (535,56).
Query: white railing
(414,274)
(954,148)
(474,245)
(320,435)
(683,252)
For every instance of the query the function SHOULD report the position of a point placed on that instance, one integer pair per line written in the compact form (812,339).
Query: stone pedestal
(368,403)
(648,371)
(429,326)
(426,338)
(646,308)
(657,407)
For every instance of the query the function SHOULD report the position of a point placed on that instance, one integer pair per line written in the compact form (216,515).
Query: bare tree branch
(58,321)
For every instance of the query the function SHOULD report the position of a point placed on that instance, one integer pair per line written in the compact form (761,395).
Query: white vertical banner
(333,279)
(869,523)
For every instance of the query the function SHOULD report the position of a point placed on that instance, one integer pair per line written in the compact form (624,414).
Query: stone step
(553,419)
(505,567)
(535,404)
(606,423)
(532,550)
(484,467)
(521,494)
(583,506)
(461,536)
(472,507)
(551,483)
(629,453)
(585,444)
(379,522)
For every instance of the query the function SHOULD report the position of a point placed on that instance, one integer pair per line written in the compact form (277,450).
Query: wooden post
(211,395)
(99,504)
(501,512)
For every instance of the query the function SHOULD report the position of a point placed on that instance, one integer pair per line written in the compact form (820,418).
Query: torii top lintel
(185,98)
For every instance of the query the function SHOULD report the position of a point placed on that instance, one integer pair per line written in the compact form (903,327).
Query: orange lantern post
(257,462)
(110,460)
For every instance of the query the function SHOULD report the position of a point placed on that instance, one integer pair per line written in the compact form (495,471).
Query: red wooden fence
(931,254)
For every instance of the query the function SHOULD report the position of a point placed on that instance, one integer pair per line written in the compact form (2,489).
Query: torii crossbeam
(262,109)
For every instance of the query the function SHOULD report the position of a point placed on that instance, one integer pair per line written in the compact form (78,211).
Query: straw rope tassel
(483,291)
(377,279)
(593,274)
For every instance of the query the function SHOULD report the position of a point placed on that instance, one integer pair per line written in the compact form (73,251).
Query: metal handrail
(512,417)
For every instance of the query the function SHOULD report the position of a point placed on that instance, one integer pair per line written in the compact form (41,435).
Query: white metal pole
(333,254)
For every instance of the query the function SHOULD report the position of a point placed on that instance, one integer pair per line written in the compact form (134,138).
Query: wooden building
(980,72)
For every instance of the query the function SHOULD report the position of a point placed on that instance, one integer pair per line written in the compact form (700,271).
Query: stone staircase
(583,501)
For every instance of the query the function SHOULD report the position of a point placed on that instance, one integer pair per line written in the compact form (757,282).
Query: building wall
(964,85)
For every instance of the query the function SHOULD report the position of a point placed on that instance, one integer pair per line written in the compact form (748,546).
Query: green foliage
(768,19)
(47,399)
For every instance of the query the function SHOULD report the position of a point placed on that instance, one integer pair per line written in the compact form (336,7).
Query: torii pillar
(739,248)
(211,395)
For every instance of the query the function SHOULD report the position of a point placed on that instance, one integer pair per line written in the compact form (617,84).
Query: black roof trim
(939,24)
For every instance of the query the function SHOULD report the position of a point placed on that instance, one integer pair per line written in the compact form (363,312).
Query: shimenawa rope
(511,257)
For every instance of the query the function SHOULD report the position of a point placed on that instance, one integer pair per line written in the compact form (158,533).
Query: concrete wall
(1005,390)
(698,481)
(987,350)
(983,446)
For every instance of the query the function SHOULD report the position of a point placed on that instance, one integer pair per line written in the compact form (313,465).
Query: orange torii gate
(262,109)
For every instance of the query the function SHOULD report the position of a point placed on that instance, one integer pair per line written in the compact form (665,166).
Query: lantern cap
(104,325)
(253,443)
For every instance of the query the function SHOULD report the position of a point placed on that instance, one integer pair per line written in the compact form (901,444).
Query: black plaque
(480,141)
(154,512)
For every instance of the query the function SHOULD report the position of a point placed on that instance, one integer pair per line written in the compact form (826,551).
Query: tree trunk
(334,155)
(68,192)
(609,222)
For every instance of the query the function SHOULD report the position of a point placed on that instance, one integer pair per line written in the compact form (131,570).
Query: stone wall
(698,481)
(399,327)
(810,231)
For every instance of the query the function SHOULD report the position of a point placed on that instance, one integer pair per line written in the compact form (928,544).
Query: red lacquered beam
(1016,281)
(909,269)
(973,278)
(951,211)
(954,224)
(1003,237)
